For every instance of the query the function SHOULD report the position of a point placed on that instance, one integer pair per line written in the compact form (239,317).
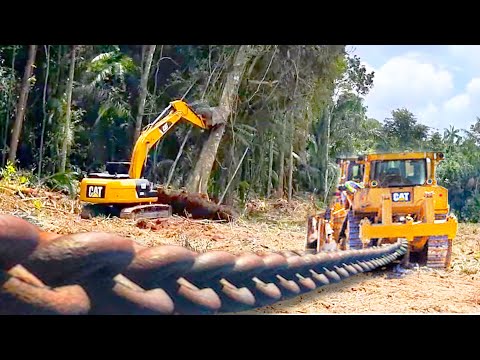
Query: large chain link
(103,273)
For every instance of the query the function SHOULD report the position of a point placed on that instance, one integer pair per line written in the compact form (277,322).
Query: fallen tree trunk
(194,205)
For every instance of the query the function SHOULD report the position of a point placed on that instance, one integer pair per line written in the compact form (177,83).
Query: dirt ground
(281,226)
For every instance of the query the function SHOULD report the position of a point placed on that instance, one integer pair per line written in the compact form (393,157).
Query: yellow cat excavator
(121,190)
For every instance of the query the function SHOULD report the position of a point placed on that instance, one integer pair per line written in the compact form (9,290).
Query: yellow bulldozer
(383,197)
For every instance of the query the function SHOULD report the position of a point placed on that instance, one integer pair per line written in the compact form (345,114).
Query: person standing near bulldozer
(347,192)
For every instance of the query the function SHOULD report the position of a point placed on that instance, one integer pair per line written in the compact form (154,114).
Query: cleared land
(281,226)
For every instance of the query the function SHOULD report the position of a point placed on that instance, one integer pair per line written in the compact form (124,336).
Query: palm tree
(452,136)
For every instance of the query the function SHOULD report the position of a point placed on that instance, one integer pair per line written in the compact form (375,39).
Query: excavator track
(439,252)
(147,211)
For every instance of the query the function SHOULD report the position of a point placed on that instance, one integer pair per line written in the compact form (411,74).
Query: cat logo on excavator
(96,191)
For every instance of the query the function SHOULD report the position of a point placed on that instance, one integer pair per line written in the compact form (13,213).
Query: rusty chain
(103,273)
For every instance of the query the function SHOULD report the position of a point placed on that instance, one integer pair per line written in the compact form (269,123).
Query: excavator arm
(178,110)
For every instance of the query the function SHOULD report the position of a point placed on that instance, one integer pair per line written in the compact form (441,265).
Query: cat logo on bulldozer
(401,196)
(95,191)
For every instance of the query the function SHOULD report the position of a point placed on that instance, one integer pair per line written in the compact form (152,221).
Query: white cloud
(439,84)
(473,86)
(459,110)
(465,51)
(407,79)
(458,102)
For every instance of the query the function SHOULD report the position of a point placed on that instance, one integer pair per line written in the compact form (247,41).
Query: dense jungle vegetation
(288,112)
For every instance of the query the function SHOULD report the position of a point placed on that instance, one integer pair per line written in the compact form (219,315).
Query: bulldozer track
(102,273)
(354,241)
(438,251)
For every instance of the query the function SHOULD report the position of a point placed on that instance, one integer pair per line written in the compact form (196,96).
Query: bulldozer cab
(401,169)
(355,172)
(350,170)
(399,173)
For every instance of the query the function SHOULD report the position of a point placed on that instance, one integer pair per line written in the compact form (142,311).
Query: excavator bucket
(210,115)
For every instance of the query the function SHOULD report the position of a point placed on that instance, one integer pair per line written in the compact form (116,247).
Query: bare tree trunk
(66,134)
(233,176)
(7,115)
(232,163)
(44,120)
(156,71)
(290,163)
(270,169)
(281,169)
(290,173)
(198,179)
(323,156)
(258,174)
(143,90)
(144,48)
(22,103)
(179,154)
(327,146)
(59,71)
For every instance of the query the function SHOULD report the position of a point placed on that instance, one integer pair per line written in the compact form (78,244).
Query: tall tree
(146,64)
(67,136)
(8,86)
(403,132)
(199,177)
(44,108)
(22,103)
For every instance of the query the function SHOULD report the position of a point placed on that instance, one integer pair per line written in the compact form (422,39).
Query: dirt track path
(420,291)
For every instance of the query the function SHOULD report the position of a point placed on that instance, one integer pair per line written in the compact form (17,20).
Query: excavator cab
(121,190)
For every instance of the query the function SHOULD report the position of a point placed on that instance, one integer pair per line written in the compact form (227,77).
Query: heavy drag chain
(103,273)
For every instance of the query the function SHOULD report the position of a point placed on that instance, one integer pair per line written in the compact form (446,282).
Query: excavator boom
(156,130)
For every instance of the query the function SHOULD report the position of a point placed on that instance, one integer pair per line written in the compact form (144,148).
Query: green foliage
(402,132)
(66,182)
(471,211)
(310,97)
(106,67)
(358,79)
(8,172)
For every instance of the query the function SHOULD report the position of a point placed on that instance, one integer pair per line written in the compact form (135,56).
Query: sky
(439,84)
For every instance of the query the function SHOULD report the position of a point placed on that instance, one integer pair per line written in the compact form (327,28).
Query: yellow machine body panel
(114,191)
(405,200)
